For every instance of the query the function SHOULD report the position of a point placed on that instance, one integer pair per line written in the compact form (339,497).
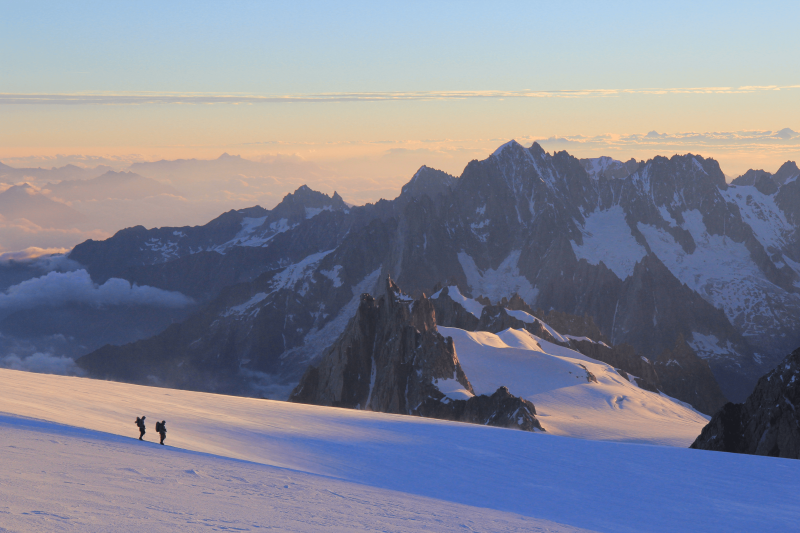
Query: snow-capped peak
(502,147)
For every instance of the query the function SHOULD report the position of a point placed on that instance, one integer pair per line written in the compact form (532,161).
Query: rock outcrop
(568,324)
(767,423)
(452,314)
(392,359)
(501,409)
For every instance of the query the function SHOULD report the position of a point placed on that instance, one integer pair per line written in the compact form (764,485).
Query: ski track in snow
(265,464)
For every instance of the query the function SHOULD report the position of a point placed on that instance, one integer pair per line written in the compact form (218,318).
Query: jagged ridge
(392,359)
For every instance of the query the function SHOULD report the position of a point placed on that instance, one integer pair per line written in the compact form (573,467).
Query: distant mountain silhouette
(120,185)
(68,172)
(24,201)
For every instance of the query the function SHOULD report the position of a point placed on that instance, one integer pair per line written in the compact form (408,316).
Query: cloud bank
(58,288)
(42,363)
(142,98)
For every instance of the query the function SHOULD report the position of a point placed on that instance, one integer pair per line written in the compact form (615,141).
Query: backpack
(138,421)
(158,427)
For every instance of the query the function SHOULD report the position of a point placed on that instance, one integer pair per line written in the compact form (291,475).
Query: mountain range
(663,255)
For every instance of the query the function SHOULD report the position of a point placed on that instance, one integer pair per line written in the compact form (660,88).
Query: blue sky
(308,48)
(305,47)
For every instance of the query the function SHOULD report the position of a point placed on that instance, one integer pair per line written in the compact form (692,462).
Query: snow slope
(308,468)
(567,403)
(607,239)
(59,478)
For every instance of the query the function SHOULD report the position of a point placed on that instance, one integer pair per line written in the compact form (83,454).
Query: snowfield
(71,462)
(556,380)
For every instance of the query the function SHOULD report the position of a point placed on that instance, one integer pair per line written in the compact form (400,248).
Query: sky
(370,91)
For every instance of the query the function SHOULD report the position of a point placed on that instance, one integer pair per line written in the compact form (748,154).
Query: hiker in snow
(140,423)
(161,429)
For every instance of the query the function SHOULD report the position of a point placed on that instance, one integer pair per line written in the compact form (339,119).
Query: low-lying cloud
(42,363)
(59,288)
(33,253)
(21,234)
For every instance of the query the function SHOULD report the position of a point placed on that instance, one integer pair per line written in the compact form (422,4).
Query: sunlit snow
(567,403)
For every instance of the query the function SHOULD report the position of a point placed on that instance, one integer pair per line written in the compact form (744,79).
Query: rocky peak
(452,314)
(787,171)
(306,197)
(537,151)
(767,423)
(428,181)
(516,303)
(305,203)
(690,180)
(388,358)
(511,145)
(761,179)
(498,201)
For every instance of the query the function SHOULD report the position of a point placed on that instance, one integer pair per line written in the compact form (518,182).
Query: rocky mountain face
(688,378)
(236,246)
(767,423)
(391,359)
(608,168)
(258,337)
(653,251)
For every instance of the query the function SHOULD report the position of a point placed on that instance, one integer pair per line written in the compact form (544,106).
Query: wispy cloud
(695,140)
(30,253)
(116,162)
(149,98)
